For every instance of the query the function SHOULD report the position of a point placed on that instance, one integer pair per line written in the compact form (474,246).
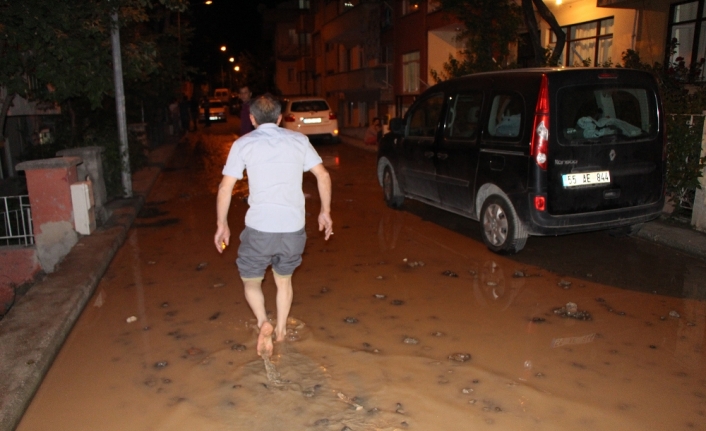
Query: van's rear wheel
(501,229)
(391,189)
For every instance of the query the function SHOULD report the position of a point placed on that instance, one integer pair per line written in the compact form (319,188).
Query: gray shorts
(258,250)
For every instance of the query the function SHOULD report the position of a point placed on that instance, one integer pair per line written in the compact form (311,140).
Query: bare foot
(280,335)
(264,340)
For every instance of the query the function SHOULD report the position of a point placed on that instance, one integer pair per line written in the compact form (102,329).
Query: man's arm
(323,180)
(225,191)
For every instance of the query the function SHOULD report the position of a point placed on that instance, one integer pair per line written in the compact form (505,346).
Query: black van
(544,151)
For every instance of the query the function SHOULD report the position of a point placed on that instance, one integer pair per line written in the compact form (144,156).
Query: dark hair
(266,109)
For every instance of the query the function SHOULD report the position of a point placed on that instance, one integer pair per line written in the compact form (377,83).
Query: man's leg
(255,298)
(256,301)
(284,303)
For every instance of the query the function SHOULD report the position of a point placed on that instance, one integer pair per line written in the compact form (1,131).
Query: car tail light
(332,115)
(540,130)
(540,203)
(289,118)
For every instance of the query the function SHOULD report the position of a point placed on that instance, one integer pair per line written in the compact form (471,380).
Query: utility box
(84,207)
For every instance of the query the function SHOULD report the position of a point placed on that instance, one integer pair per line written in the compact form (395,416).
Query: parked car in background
(217,111)
(311,116)
(544,151)
(234,104)
(222,94)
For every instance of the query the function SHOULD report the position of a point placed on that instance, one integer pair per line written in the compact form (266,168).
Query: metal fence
(16,225)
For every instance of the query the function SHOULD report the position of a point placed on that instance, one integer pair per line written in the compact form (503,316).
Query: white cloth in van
(597,128)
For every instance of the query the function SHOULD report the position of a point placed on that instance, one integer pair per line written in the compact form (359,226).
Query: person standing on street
(194,107)
(246,125)
(275,160)
(206,105)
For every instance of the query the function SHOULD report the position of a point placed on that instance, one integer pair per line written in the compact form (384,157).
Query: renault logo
(612,155)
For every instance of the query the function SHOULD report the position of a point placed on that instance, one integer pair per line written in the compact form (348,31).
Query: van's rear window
(597,113)
(310,106)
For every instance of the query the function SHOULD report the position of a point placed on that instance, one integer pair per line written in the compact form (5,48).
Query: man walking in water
(275,159)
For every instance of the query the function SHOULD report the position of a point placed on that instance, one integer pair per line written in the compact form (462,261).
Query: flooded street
(403,320)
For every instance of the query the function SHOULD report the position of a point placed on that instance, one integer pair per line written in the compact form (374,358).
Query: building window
(587,44)
(304,4)
(433,5)
(386,15)
(687,26)
(305,43)
(409,6)
(410,72)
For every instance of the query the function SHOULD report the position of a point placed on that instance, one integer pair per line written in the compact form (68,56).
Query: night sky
(237,24)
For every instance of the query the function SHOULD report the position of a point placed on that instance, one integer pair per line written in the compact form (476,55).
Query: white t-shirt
(275,159)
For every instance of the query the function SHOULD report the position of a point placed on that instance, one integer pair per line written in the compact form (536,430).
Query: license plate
(586,178)
(311,120)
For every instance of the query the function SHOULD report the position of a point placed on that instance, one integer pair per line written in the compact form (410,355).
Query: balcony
(355,26)
(370,78)
(621,4)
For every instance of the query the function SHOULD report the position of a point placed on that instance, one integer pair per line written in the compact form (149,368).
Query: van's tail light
(540,130)
(540,203)
(289,118)
(332,115)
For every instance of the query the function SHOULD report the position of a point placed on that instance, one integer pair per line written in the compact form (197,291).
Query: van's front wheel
(391,189)
(501,229)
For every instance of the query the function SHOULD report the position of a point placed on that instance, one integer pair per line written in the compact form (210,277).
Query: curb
(684,239)
(36,327)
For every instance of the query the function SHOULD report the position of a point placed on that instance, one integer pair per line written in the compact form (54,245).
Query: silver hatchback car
(311,116)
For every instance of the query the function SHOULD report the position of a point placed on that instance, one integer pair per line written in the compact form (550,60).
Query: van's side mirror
(397,126)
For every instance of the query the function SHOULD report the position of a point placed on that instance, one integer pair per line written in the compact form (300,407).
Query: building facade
(372,58)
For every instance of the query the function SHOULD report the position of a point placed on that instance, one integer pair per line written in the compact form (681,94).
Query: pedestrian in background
(206,105)
(194,107)
(246,125)
(374,132)
(184,113)
(275,160)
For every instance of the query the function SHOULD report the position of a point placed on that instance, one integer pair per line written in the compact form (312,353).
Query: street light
(223,79)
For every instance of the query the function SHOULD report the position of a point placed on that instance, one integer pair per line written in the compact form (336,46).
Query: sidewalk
(33,331)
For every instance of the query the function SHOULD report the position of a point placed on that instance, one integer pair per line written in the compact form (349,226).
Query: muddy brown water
(377,315)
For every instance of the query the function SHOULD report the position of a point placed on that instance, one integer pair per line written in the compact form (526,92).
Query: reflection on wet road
(403,320)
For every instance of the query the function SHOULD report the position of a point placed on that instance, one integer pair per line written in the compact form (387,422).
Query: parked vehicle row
(532,152)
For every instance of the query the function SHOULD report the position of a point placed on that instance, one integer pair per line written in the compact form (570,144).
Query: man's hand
(225,190)
(326,225)
(323,181)
(222,238)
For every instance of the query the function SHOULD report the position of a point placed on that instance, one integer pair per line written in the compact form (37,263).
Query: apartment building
(372,58)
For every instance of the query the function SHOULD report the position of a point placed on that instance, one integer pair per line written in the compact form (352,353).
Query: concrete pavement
(32,333)
(35,328)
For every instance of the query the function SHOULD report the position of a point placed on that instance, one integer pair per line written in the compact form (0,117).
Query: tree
(533,29)
(490,27)
(59,51)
